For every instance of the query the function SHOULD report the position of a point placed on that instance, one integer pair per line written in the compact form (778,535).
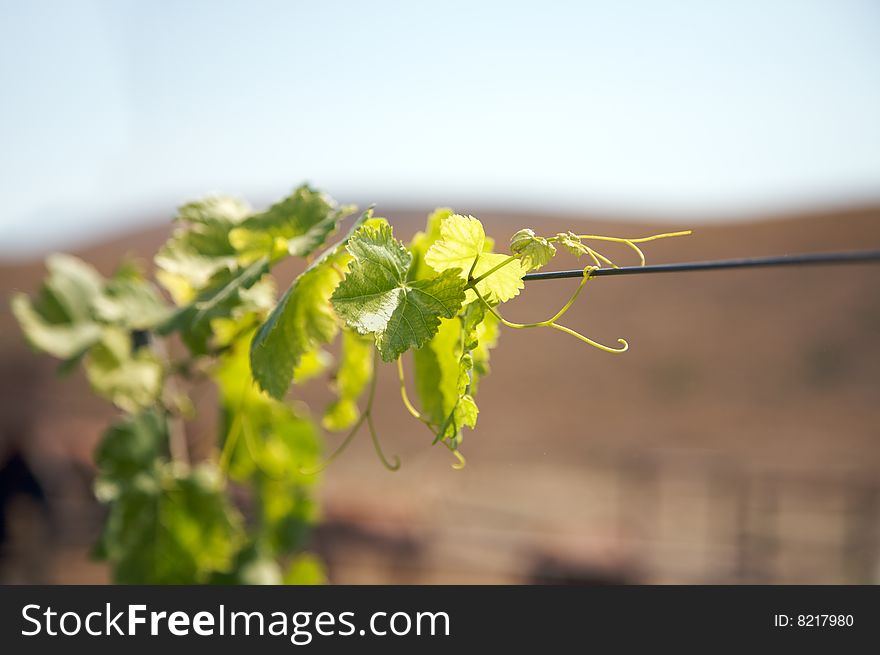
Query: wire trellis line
(811,259)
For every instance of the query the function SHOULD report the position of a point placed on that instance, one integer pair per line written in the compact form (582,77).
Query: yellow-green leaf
(376,297)
(462,240)
(131,379)
(534,251)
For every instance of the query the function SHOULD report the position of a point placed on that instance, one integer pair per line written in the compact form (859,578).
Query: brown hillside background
(737,441)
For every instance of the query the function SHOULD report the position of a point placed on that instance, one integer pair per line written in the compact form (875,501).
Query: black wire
(855,257)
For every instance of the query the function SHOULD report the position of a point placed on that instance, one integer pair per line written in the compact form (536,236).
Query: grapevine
(210,314)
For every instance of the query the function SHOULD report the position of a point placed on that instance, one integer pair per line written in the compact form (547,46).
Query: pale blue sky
(112,111)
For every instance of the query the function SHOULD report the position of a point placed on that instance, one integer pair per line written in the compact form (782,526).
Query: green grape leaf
(227,295)
(297,225)
(130,300)
(448,368)
(417,308)
(443,371)
(131,379)
(75,305)
(75,285)
(199,248)
(215,210)
(534,251)
(176,527)
(354,372)
(130,447)
(572,243)
(65,340)
(437,370)
(302,321)
(375,296)
(61,321)
(462,240)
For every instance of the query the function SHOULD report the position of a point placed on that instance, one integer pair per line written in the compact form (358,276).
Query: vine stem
(378,447)
(369,414)
(653,237)
(629,242)
(404,395)
(438,432)
(475,281)
(366,415)
(596,256)
(598,259)
(551,322)
(473,266)
(339,450)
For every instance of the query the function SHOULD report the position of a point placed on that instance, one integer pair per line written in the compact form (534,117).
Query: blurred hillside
(737,440)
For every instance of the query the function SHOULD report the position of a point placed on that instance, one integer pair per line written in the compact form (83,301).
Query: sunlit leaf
(375,296)
(199,248)
(61,321)
(130,378)
(534,251)
(128,299)
(297,225)
(462,240)
(572,243)
(302,321)
(177,527)
(227,294)
(133,446)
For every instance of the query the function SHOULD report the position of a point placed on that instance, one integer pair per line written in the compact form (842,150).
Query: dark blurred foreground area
(737,441)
